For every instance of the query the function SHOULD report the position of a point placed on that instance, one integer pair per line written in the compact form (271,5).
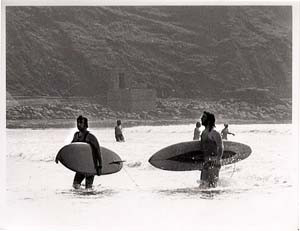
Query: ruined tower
(122,97)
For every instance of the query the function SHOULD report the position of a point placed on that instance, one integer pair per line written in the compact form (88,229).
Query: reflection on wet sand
(92,194)
(210,193)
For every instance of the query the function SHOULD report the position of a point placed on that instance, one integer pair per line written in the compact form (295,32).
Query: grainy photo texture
(150,118)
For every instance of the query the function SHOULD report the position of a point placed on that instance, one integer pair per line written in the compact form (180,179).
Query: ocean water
(260,192)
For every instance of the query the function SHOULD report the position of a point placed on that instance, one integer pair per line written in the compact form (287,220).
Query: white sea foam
(258,193)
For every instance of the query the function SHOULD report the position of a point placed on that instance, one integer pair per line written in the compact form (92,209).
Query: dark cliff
(182,51)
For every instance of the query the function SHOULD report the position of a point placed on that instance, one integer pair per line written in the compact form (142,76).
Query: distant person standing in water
(212,145)
(225,132)
(83,135)
(197,131)
(118,132)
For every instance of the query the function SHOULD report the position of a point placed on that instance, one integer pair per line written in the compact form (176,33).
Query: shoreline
(68,123)
(172,111)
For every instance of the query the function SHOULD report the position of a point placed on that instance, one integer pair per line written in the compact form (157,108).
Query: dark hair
(83,119)
(118,122)
(210,119)
(198,125)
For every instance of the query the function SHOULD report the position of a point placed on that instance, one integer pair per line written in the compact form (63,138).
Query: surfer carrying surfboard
(212,146)
(83,135)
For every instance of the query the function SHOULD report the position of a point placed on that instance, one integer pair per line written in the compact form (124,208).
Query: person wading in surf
(118,132)
(225,132)
(197,131)
(212,145)
(83,135)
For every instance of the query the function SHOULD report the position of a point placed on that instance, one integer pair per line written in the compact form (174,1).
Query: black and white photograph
(149,116)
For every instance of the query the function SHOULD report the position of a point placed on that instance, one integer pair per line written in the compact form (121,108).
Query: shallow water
(265,182)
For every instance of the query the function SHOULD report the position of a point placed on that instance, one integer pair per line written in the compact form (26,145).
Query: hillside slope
(182,51)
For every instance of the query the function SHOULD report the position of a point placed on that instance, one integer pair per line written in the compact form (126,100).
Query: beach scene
(252,194)
(140,79)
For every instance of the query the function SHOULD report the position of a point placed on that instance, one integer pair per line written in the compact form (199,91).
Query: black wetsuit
(118,134)
(89,138)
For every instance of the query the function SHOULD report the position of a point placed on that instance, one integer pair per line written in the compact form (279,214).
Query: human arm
(74,137)
(92,140)
(220,146)
(216,137)
(231,133)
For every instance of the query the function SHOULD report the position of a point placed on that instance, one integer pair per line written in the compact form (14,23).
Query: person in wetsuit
(197,131)
(118,132)
(83,135)
(212,145)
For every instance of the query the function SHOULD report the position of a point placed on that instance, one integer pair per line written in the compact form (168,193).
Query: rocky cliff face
(182,51)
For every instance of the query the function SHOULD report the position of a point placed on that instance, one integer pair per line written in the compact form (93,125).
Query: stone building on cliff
(122,97)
